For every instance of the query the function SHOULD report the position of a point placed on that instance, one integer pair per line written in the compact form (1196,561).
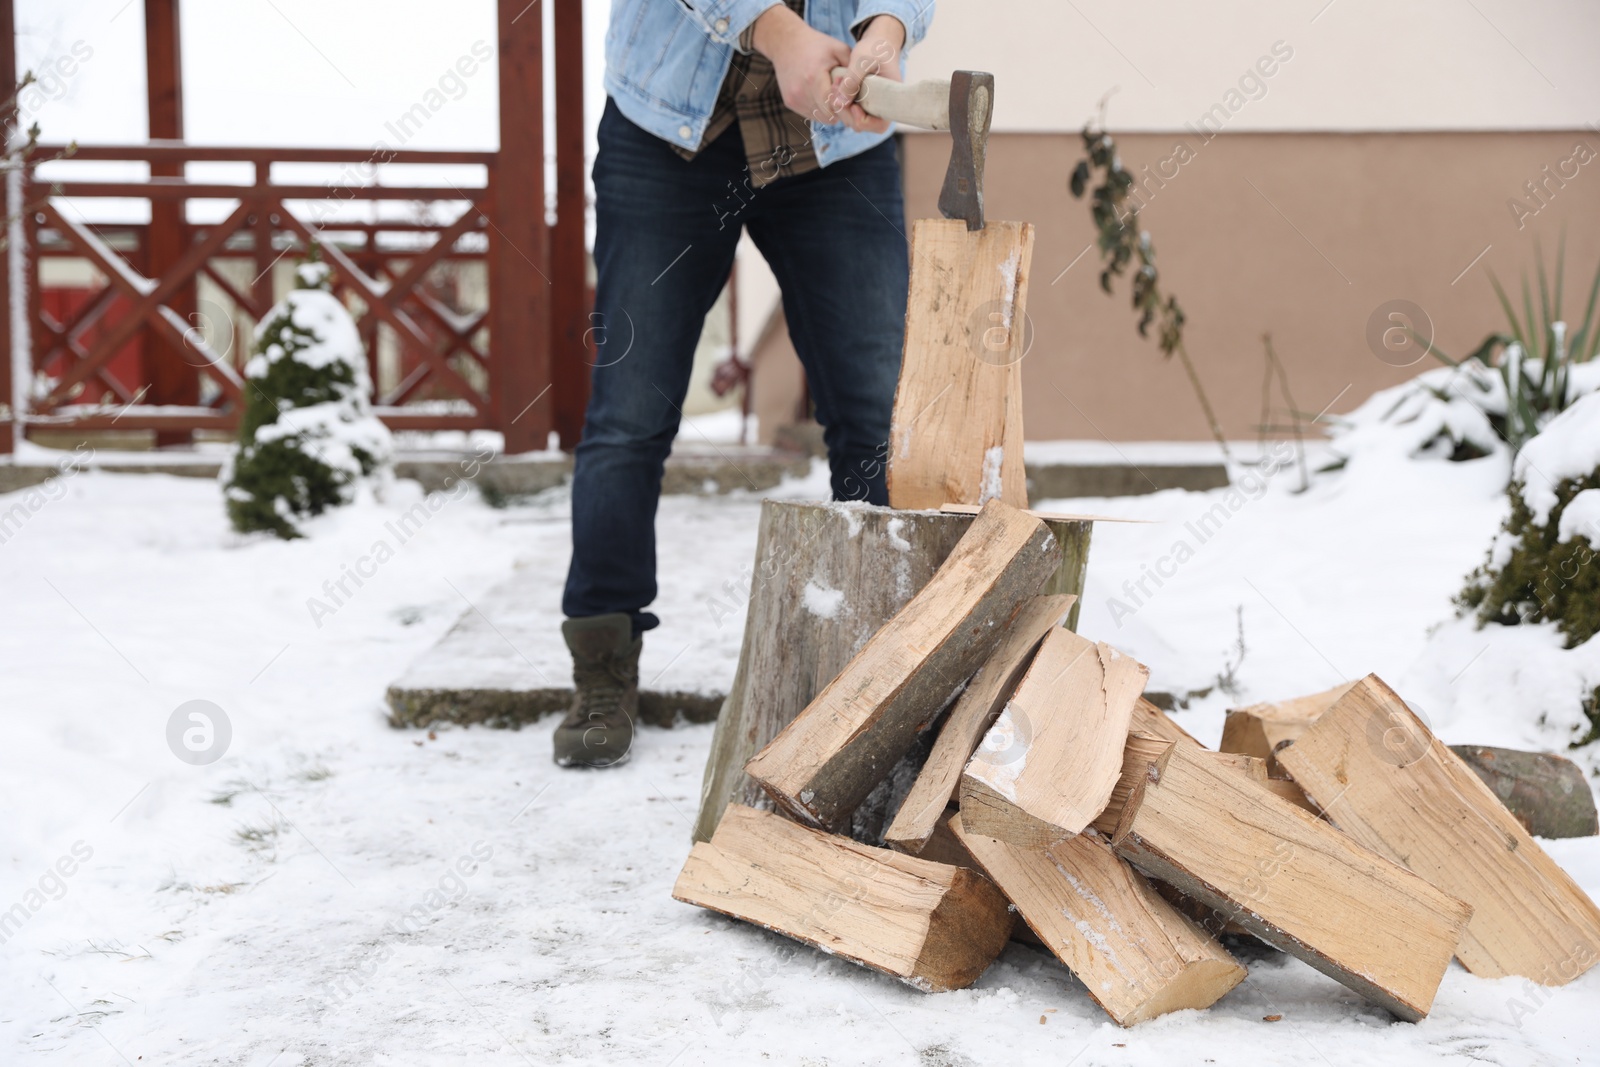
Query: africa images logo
(199,732)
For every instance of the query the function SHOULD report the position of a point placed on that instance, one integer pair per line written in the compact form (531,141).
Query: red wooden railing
(515,365)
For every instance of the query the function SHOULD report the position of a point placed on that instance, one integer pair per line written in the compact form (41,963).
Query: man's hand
(877,52)
(803,59)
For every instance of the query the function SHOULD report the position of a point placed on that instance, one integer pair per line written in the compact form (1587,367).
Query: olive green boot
(598,731)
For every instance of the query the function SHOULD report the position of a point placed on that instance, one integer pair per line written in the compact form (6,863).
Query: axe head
(971,106)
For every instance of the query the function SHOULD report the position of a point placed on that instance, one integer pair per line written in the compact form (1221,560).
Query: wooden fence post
(169,371)
(519,245)
(8,78)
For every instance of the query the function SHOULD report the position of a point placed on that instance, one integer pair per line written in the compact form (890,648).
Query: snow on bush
(1456,413)
(308,436)
(1444,413)
(1542,565)
(1568,450)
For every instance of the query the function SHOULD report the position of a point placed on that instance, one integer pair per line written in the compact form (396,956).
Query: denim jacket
(665,60)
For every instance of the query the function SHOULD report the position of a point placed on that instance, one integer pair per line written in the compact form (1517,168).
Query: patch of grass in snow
(92,1017)
(308,771)
(172,885)
(260,837)
(93,948)
(224,796)
(1228,677)
(942,1056)
(117,952)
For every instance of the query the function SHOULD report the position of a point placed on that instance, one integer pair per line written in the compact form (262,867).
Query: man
(724,115)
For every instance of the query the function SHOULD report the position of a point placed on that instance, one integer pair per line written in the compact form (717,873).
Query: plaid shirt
(777,141)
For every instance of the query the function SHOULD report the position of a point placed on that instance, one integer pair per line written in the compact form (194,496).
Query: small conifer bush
(308,438)
(1544,565)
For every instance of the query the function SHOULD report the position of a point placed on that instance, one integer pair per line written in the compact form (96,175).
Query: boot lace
(603,688)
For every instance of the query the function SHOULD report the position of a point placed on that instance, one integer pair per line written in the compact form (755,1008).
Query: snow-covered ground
(332,891)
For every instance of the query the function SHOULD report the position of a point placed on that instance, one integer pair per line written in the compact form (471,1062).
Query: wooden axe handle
(925,104)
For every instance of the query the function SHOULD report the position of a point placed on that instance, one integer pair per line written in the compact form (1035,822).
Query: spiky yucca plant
(1535,357)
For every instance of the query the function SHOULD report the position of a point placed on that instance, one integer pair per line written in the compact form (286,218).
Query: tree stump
(825,577)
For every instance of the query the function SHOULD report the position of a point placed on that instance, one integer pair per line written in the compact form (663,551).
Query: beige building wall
(1368,154)
(1301,235)
(1355,64)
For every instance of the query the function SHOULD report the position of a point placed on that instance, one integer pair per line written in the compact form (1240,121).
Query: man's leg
(661,255)
(835,239)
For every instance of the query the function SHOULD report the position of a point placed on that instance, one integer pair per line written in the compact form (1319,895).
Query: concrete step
(503,664)
(467,704)
(700,470)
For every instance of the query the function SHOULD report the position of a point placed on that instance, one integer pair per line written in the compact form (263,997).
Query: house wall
(1336,65)
(1305,235)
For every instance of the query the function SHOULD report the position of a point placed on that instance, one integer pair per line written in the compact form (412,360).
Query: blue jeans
(665,234)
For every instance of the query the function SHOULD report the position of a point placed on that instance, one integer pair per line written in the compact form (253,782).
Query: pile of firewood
(1338,830)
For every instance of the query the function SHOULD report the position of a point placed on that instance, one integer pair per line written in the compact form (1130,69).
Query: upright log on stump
(957,429)
(825,578)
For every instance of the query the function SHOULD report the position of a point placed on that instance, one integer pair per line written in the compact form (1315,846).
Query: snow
(331,433)
(896,538)
(1428,413)
(334,891)
(1355,575)
(990,488)
(1145,453)
(324,317)
(1008,286)
(1583,379)
(1569,447)
(821,601)
(1003,753)
(1089,896)
(1581,518)
(719,427)
(1095,938)
(851,510)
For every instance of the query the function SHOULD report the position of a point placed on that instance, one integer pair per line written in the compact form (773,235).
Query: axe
(963,105)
